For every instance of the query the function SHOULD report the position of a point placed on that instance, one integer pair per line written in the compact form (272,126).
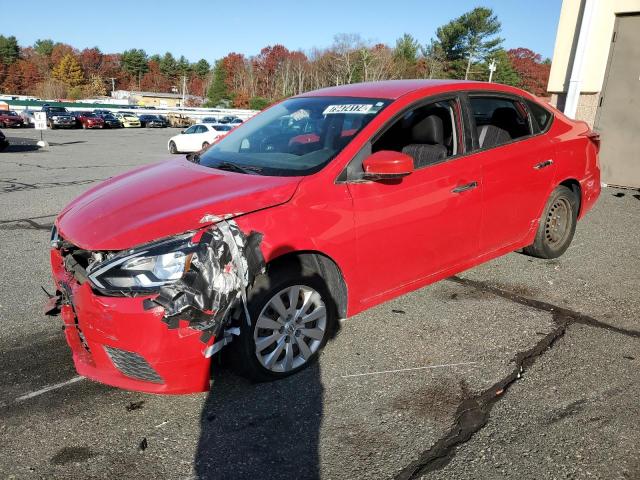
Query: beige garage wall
(595,63)
(597,45)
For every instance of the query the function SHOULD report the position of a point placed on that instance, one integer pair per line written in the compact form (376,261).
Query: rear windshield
(296,137)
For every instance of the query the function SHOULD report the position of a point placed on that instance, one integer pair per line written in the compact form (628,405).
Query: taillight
(595,139)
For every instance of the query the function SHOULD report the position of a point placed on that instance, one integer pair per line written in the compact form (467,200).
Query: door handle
(464,188)
(541,165)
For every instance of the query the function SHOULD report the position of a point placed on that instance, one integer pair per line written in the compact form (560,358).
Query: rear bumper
(115,341)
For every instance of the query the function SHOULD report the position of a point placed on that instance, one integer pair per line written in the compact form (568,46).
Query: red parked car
(9,118)
(318,208)
(89,120)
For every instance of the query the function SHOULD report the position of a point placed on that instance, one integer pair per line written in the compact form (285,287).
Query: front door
(427,221)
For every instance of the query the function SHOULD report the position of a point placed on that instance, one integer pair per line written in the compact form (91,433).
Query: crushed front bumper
(116,341)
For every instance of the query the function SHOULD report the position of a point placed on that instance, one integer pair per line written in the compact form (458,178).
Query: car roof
(393,89)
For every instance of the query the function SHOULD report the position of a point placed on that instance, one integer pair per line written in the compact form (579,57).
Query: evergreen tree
(218,91)
(201,68)
(468,38)
(44,47)
(134,62)
(9,50)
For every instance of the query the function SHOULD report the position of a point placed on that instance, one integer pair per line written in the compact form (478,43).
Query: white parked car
(195,138)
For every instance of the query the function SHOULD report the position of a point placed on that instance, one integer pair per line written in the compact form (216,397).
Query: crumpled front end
(155,339)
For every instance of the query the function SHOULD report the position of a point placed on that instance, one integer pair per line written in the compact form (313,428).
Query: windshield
(296,137)
(57,110)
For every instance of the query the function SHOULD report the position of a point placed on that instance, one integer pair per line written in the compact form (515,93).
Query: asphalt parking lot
(518,368)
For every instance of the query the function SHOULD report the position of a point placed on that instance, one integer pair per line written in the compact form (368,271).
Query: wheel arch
(312,261)
(574,186)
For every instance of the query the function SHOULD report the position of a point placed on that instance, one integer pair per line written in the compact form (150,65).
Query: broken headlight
(145,268)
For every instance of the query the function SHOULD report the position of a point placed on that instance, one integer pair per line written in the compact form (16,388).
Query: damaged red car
(320,207)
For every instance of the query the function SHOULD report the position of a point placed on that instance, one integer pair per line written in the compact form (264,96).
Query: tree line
(461,49)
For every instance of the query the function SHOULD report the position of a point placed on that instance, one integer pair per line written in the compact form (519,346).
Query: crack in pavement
(28,223)
(473,413)
(12,185)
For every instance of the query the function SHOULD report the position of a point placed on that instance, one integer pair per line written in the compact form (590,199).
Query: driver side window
(191,129)
(429,134)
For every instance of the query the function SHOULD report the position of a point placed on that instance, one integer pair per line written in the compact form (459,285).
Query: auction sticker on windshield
(355,108)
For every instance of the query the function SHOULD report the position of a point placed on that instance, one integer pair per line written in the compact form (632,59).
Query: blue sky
(211,29)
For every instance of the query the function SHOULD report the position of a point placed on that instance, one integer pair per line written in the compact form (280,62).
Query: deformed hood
(164,199)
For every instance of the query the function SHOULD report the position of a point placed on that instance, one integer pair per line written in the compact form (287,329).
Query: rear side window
(540,115)
(499,120)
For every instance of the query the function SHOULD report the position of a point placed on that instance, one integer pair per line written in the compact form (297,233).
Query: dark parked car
(9,118)
(153,121)
(3,141)
(230,119)
(59,117)
(110,121)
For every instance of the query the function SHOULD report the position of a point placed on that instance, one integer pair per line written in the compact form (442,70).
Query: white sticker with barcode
(354,108)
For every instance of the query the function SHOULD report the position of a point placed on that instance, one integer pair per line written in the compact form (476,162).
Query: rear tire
(172,148)
(557,225)
(300,334)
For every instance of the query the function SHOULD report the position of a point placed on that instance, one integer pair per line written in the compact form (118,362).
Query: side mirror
(386,165)
(181,131)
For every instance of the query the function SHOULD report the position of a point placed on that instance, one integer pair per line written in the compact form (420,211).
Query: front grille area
(133,365)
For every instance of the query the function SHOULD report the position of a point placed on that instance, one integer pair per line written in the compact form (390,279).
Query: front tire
(292,318)
(172,148)
(557,225)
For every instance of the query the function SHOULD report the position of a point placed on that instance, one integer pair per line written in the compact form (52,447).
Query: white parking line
(46,389)
(428,367)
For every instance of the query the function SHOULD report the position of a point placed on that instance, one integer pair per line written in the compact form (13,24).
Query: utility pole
(492,68)
(184,88)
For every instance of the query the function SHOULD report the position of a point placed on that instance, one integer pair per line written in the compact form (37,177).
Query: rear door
(518,167)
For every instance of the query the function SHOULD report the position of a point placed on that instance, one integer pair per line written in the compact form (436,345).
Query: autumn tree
(154,80)
(433,59)
(59,51)
(532,70)
(68,71)
(91,61)
(95,87)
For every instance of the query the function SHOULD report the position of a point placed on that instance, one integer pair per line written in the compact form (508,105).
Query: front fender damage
(223,266)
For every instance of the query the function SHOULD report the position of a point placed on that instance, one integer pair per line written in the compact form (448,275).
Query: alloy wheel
(290,328)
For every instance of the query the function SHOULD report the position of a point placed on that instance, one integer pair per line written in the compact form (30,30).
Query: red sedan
(89,120)
(320,207)
(9,118)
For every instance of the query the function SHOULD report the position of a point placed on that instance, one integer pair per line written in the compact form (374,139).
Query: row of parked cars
(60,117)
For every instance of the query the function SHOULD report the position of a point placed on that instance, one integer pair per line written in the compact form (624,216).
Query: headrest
(428,130)
(505,117)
